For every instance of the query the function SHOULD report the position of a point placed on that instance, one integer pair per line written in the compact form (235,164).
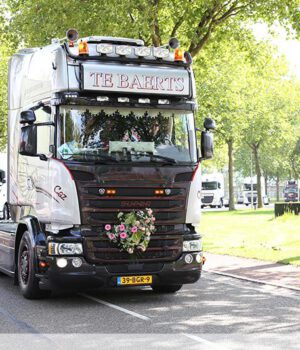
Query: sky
(289,47)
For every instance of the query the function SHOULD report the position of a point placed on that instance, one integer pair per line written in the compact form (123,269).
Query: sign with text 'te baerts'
(164,81)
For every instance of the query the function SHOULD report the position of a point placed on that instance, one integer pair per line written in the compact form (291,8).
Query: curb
(252,280)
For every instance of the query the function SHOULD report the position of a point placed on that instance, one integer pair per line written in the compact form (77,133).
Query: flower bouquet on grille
(134,230)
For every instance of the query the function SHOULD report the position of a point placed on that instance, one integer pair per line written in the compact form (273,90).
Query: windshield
(291,190)
(247,187)
(131,135)
(209,185)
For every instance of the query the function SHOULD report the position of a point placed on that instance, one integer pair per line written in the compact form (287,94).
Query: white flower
(130,250)
(148,233)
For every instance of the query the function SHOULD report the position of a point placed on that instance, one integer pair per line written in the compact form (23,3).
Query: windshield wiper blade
(156,156)
(84,157)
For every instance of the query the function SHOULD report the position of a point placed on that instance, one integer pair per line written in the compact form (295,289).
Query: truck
(100,130)
(249,192)
(292,191)
(213,190)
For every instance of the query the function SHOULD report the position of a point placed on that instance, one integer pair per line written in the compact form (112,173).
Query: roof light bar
(161,52)
(144,100)
(142,51)
(163,102)
(102,98)
(105,48)
(123,50)
(123,99)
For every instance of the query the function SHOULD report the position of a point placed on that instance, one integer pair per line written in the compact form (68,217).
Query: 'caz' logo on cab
(60,193)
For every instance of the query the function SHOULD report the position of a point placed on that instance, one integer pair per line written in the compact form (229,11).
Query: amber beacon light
(83,48)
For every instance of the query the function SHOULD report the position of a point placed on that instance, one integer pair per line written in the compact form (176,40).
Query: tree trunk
(277,188)
(230,174)
(266,184)
(258,175)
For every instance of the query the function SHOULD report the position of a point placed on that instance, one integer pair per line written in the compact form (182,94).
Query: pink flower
(153,219)
(150,212)
(111,236)
(134,229)
(123,235)
(107,227)
(122,227)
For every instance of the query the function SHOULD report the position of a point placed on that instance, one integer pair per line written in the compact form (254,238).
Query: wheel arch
(37,236)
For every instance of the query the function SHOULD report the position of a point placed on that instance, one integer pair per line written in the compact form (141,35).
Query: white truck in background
(212,190)
(250,191)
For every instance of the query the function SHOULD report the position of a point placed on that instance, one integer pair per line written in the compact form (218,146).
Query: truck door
(33,172)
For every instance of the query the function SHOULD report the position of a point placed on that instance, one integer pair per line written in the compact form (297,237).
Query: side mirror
(28,144)
(209,124)
(207,145)
(2,176)
(27,117)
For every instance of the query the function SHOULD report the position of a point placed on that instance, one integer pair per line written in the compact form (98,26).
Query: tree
(195,22)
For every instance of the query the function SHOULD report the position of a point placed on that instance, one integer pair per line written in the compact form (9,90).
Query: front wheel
(28,283)
(167,289)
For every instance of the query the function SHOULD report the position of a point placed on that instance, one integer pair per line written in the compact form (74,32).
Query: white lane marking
(204,341)
(116,307)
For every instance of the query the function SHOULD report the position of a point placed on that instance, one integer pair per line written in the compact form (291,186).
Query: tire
(28,282)
(167,289)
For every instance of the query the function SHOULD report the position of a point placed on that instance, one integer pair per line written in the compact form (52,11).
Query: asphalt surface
(215,313)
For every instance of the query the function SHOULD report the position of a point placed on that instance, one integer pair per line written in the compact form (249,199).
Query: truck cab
(103,128)
(291,191)
(212,191)
(250,192)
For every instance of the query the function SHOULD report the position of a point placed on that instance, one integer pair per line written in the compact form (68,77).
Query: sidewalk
(279,275)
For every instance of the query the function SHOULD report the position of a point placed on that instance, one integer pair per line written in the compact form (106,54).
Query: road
(215,313)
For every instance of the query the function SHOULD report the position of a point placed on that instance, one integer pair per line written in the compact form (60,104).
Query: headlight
(161,52)
(192,246)
(105,48)
(55,248)
(142,51)
(123,50)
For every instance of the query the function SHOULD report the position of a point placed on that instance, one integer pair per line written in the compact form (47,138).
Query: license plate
(133,280)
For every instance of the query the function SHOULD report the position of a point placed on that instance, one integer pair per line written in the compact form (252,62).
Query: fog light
(77,262)
(61,262)
(188,258)
(198,258)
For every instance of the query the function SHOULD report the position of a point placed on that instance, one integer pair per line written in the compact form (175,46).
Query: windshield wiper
(84,157)
(166,160)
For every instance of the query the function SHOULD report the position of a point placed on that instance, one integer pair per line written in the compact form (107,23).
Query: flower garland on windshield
(134,231)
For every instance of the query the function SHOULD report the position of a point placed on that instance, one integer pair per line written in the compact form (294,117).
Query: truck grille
(254,199)
(99,250)
(97,209)
(207,199)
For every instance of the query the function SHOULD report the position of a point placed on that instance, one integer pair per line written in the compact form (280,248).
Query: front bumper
(95,276)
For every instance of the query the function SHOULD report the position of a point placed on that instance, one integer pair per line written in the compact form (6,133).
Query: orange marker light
(83,48)
(178,54)
(43,264)
(158,192)
(111,191)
